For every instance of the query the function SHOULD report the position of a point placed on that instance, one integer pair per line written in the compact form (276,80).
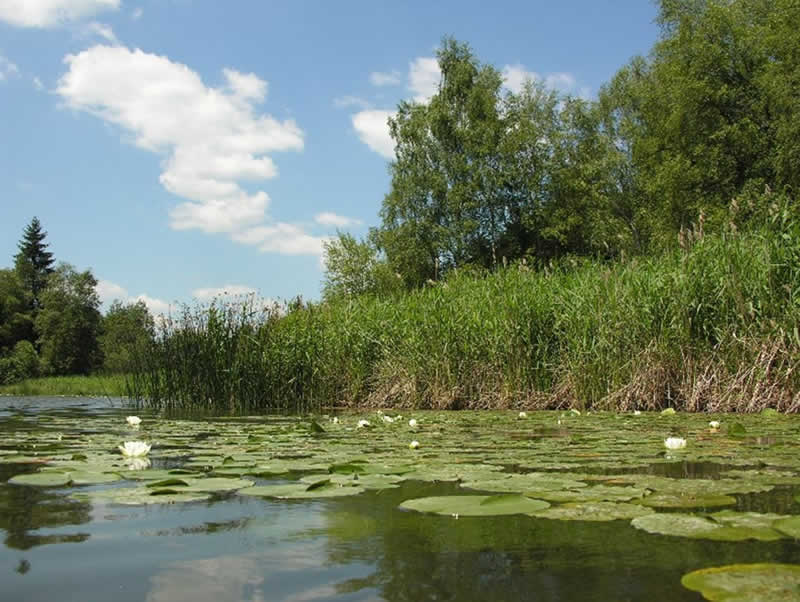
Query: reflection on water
(360,548)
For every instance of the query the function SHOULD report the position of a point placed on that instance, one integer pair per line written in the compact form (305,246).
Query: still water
(355,548)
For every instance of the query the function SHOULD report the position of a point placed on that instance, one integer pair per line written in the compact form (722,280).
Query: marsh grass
(710,326)
(113,385)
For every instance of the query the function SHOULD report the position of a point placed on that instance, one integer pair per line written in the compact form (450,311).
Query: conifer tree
(34,263)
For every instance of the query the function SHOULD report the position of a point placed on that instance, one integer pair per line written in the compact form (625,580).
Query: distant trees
(50,321)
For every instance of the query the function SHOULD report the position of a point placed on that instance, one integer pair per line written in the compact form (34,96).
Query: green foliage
(20,364)
(69,323)
(711,326)
(354,268)
(124,329)
(34,263)
(16,322)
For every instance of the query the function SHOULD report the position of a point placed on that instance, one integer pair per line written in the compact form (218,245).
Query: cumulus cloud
(213,139)
(327,218)
(373,130)
(110,291)
(342,102)
(392,78)
(51,13)
(515,76)
(7,68)
(286,239)
(423,78)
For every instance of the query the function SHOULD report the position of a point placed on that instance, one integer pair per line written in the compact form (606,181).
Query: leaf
(42,479)
(475,505)
(743,582)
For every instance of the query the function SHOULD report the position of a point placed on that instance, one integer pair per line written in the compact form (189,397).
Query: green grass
(95,385)
(706,328)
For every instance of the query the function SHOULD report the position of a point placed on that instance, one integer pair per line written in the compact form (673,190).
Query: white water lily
(134,449)
(576,412)
(133,421)
(523,415)
(412,423)
(637,413)
(387,419)
(674,443)
(414,444)
(714,424)
(335,420)
(362,423)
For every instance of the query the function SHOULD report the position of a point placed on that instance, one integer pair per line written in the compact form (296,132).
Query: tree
(126,329)
(34,263)
(16,321)
(69,323)
(355,268)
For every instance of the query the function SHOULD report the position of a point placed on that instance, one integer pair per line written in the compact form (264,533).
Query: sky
(182,148)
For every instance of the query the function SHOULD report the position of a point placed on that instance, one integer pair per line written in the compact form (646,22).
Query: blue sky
(179,148)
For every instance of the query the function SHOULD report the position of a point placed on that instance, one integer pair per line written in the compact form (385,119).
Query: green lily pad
(722,526)
(90,477)
(688,500)
(742,582)
(138,496)
(595,511)
(302,490)
(596,493)
(789,525)
(475,505)
(42,479)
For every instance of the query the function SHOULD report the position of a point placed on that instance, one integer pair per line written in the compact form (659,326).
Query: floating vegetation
(475,505)
(746,582)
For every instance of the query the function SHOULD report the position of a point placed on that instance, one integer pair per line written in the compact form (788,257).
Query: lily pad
(688,500)
(741,582)
(595,511)
(475,505)
(293,491)
(789,525)
(42,479)
(138,496)
(722,526)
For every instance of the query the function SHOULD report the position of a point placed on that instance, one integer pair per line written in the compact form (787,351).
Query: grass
(711,326)
(94,385)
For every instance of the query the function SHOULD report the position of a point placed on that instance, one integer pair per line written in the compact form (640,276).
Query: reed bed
(711,326)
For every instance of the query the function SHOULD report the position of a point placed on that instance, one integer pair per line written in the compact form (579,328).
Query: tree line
(50,319)
(706,124)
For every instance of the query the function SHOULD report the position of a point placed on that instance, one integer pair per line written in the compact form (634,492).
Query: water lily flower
(387,419)
(133,421)
(576,412)
(362,423)
(134,449)
(414,444)
(637,413)
(335,420)
(714,424)
(674,443)
(412,423)
(523,415)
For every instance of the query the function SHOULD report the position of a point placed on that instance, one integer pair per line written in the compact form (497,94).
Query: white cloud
(102,30)
(206,294)
(7,68)
(137,14)
(37,83)
(373,129)
(213,138)
(286,239)
(423,78)
(50,13)
(392,78)
(563,82)
(515,76)
(327,218)
(110,291)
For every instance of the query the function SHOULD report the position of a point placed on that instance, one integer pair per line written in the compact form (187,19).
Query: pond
(487,506)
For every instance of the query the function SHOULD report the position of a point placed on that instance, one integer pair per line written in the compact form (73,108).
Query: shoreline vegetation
(95,385)
(710,326)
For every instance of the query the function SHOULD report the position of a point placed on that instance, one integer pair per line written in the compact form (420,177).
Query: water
(358,548)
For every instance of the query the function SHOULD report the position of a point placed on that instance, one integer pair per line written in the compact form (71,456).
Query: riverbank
(95,385)
(708,327)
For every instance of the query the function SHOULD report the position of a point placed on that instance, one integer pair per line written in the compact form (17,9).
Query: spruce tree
(34,263)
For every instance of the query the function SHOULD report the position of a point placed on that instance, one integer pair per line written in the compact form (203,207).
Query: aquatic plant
(134,449)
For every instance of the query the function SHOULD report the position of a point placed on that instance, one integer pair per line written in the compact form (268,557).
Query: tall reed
(710,326)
